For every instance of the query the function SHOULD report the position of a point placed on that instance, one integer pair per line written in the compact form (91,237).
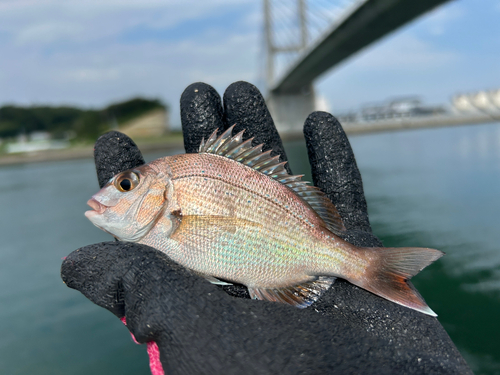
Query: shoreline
(146,146)
(79,153)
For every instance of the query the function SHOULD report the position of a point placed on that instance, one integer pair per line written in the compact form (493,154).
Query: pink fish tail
(390,270)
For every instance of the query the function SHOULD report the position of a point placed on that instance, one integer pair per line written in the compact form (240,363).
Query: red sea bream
(231,212)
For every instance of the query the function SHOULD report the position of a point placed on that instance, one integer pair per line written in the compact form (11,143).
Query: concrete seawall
(353,128)
(419,122)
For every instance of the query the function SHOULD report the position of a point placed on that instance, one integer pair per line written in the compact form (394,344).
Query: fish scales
(275,243)
(254,255)
(244,193)
(232,213)
(208,184)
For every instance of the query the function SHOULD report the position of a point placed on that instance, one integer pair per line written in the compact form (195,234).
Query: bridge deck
(369,21)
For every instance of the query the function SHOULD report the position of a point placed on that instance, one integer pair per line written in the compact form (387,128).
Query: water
(435,188)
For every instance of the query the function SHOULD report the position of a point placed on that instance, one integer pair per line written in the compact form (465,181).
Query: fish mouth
(98,208)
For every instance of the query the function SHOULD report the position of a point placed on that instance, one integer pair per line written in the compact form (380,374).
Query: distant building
(481,100)
(347,117)
(36,141)
(495,97)
(393,109)
(39,136)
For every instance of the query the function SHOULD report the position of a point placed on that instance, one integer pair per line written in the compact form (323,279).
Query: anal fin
(301,295)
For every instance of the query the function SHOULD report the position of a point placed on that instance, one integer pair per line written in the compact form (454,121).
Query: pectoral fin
(207,226)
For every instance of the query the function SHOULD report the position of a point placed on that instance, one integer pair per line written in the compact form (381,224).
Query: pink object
(154,359)
(153,353)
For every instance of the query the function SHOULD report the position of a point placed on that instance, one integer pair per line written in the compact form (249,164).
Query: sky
(95,52)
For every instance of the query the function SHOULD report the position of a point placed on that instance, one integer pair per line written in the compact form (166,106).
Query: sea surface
(435,188)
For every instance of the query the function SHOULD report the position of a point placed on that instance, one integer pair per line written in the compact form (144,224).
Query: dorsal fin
(242,151)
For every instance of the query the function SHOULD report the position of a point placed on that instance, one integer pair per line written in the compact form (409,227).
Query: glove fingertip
(245,107)
(318,122)
(334,168)
(115,152)
(201,114)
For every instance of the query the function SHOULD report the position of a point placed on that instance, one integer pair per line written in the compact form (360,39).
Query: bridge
(305,39)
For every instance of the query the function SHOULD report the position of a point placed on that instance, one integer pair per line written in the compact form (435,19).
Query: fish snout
(97,208)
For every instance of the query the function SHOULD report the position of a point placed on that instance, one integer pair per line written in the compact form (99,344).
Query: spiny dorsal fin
(242,151)
(302,295)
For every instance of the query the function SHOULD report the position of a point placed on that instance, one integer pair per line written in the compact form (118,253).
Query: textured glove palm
(201,329)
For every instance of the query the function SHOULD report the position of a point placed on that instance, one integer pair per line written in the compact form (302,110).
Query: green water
(435,188)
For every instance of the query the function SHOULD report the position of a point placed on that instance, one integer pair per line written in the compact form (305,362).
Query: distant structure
(151,124)
(409,112)
(304,39)
(36,141)
(397,108)
(488,101)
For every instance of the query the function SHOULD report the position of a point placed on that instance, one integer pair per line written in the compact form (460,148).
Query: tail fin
(390,269)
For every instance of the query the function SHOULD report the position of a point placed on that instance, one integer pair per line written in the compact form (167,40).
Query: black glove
(199,328)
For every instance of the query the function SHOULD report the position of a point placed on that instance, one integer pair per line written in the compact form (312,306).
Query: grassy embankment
(79,127)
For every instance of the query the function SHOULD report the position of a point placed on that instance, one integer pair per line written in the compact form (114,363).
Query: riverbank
(166,144)
(174,141)
(407,123)
(437,121)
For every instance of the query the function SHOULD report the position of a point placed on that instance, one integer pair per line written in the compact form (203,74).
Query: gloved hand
(201,329)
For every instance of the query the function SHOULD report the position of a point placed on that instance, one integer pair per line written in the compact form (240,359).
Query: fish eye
(126,181)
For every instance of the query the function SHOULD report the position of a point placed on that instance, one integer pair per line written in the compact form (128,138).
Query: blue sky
(455,48)
(92,53)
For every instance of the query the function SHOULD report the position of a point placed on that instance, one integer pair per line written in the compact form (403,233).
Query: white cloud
(73,51)
(93,68)
(47,21)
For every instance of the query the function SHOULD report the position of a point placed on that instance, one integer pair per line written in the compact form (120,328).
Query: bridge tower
(289,108)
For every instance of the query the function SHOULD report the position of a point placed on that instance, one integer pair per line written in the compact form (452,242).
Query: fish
(233,214)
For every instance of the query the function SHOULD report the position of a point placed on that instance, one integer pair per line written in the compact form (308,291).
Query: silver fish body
(232,212)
